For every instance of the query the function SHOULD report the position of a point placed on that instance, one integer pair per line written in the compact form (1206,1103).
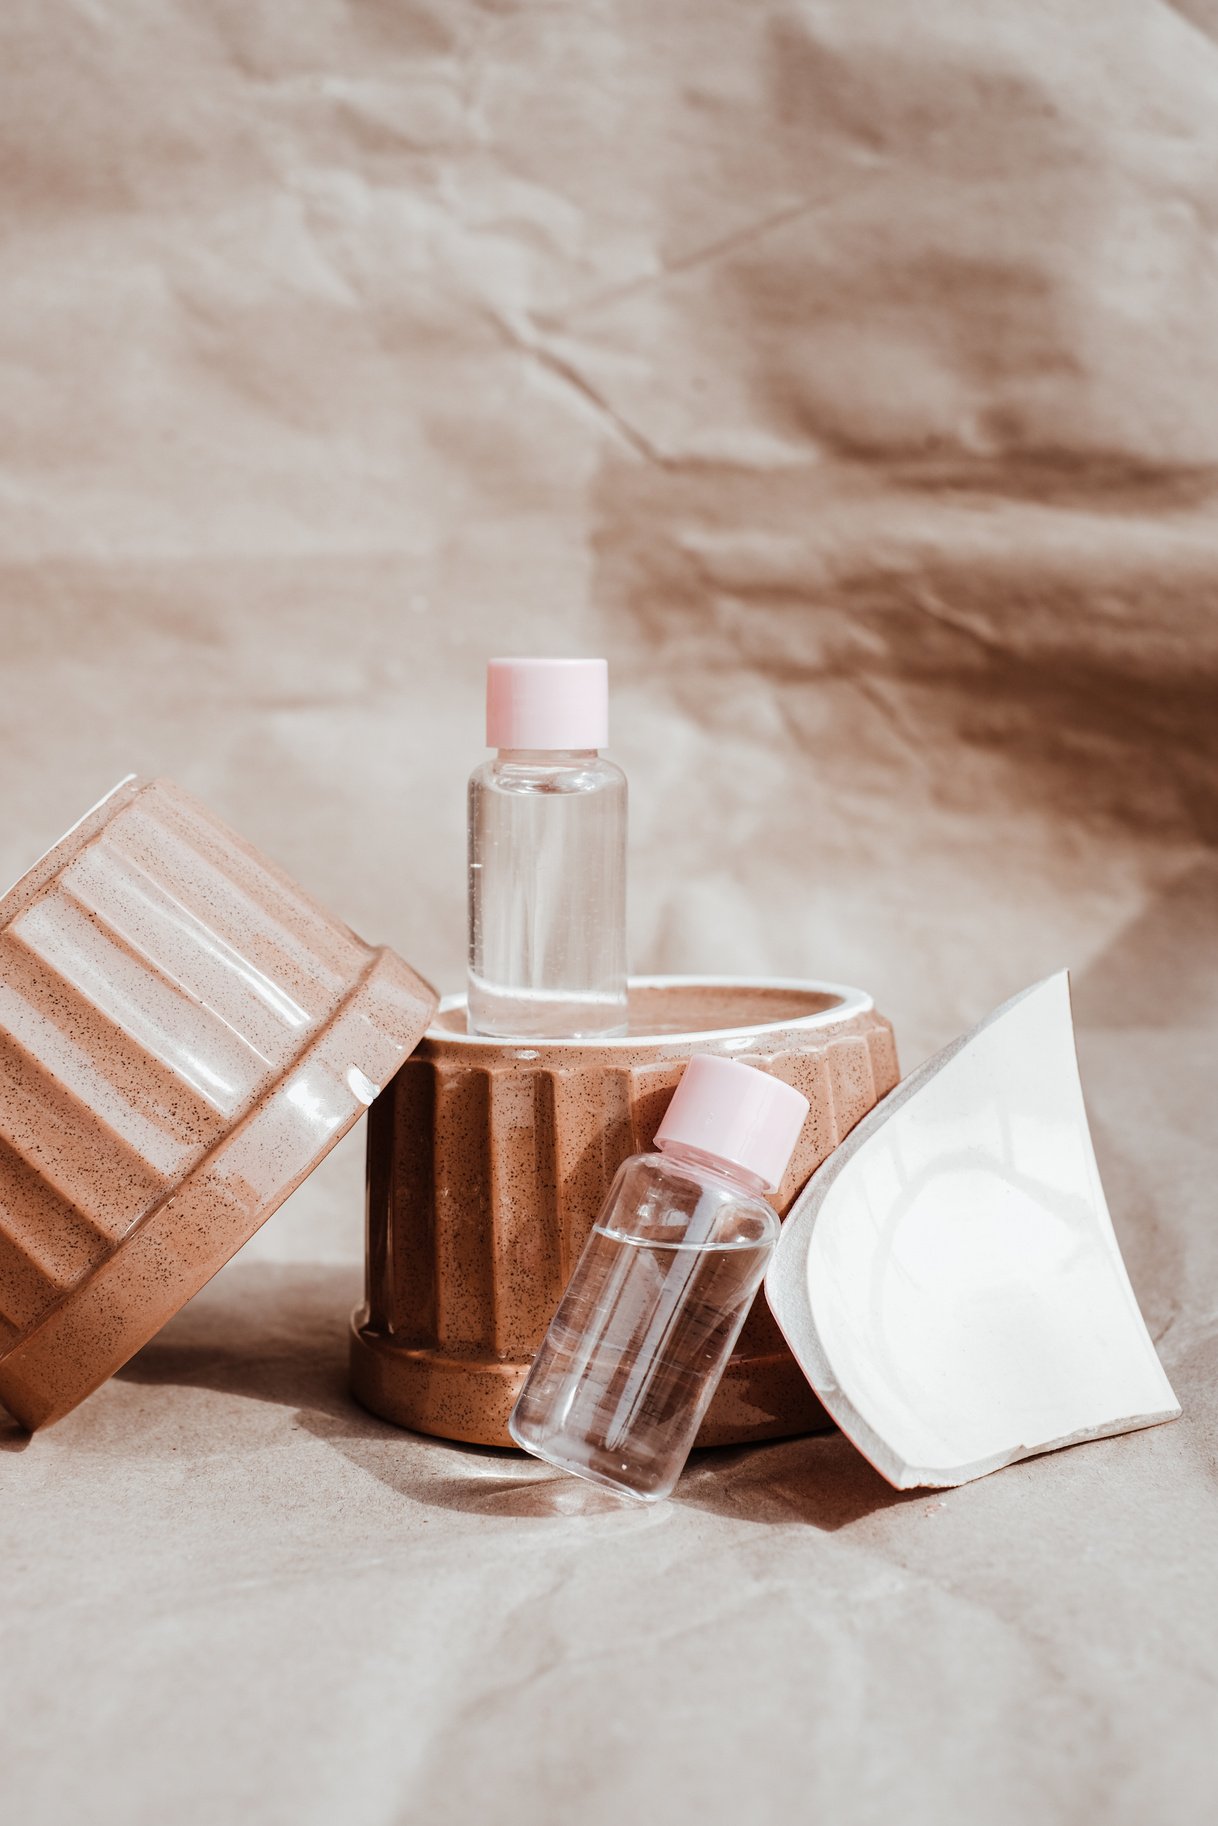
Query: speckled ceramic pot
(183,1035)
(488,1161)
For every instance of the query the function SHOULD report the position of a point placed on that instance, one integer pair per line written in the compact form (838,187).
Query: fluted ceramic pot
(488,1161)
(183,1034)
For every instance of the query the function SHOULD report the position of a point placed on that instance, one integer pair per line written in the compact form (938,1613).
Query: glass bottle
(655,1305)
(547,857)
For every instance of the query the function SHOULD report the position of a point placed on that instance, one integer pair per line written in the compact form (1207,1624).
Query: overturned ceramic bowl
(488,1161)
(184,1033)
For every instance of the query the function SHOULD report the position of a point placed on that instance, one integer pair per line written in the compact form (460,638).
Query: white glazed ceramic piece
(949,1279)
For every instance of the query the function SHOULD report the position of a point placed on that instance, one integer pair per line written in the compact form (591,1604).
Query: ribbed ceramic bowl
(488,1161)
(183,1034)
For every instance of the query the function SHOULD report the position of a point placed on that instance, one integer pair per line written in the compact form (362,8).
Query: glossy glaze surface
(950,1280)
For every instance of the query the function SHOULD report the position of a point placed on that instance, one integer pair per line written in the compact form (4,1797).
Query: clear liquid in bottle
(547,896)
(647,1324)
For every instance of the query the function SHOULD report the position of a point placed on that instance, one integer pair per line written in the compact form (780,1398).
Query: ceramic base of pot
(470,1400)
(488,1161)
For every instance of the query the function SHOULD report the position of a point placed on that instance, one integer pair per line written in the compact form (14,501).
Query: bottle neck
(544,757)
(728,1170)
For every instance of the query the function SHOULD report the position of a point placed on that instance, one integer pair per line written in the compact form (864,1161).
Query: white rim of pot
(849,1003)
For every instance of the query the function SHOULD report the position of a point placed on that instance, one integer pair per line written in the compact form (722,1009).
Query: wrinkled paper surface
(848,376)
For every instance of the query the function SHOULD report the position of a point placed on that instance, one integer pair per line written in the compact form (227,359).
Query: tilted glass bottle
(547,857)
(657,1299)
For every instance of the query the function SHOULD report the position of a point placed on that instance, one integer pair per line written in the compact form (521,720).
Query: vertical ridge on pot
(80,1045)
(852,1081)
(546,1152)
(147,920)
(594,1129)
(279,937)
(45,1244)
(465,1294)
(521,1204)
(140,1001)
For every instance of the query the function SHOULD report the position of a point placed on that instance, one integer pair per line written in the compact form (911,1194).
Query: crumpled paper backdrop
(847,375)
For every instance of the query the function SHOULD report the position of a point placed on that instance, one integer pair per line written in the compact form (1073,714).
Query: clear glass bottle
(547,858)
(655,1305)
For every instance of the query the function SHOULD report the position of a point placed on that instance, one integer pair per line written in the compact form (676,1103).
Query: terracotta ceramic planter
(488,1161)
(183,1034)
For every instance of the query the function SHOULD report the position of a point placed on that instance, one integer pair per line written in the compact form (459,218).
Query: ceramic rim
(848,1004)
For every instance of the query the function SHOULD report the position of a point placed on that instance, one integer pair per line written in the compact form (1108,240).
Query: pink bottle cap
(547,703)
(736,1114)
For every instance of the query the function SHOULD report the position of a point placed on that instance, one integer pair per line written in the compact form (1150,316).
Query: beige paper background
(849,376)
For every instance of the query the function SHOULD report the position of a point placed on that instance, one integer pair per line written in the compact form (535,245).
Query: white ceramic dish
(949,1280)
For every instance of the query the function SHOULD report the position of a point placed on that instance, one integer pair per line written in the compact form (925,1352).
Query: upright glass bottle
(547,857)
(655,1305)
